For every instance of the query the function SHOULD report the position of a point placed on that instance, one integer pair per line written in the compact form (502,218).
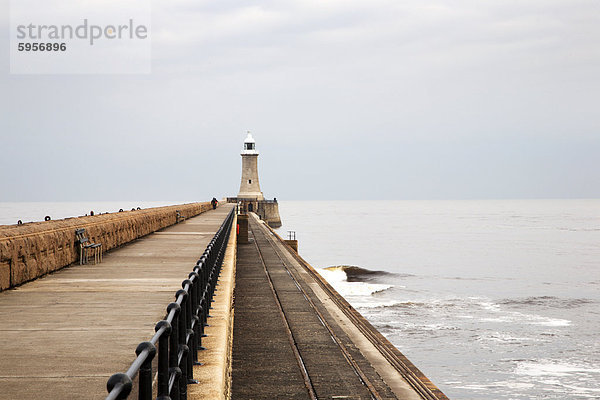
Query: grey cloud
(411,99)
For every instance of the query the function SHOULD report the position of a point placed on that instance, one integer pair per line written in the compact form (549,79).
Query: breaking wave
(546,301)
(350,280)
(357,274)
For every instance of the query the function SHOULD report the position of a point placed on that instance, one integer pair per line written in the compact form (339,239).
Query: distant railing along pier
(243,199)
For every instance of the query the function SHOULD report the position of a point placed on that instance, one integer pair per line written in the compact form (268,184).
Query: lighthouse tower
(249,187)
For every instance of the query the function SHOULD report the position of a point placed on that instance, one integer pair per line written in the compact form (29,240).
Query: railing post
(183,368)
(189,332)
(174,350)
(182,331)
(174,374)
(163,360)
(145,374)
(195,318)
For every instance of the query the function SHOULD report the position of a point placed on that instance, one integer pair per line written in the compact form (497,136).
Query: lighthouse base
(267,210)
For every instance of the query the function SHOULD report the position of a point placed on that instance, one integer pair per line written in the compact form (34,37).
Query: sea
(12,212)
(491,299)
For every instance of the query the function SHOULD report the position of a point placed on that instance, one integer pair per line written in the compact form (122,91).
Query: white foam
(497,385)
(500,337)
(582,390)
(333,275)
(499,319)
(359,288)
(430,327)
(490,306)
(549,368)
(553,322)
(534,319)
(517,317)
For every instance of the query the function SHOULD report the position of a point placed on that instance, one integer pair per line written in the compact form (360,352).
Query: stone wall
(35,249)
(269,212)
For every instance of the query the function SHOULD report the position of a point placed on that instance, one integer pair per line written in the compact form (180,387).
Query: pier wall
(269,212)
(35,249)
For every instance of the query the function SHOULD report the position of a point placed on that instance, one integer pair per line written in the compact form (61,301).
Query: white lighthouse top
(249,145)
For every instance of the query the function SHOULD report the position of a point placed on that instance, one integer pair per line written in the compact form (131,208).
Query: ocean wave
(434,305)
(357,274)
(421,328)
(481,309)
(338,279)
(546,301)
(396,304)
(376,305)
(504,338)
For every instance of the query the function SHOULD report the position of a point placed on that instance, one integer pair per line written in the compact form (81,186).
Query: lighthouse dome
(249,139)
(249,145)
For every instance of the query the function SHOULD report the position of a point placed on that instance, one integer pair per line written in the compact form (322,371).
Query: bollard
(122,380)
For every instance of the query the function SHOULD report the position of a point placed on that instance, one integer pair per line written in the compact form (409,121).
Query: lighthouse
(250,186)
(250,198)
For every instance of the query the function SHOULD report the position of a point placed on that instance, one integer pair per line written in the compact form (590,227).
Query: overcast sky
(346,99)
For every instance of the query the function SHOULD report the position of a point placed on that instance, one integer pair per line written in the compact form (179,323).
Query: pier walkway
(291,340)
(63,335)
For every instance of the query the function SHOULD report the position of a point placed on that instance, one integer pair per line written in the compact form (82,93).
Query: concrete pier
(276,330)
(62,336)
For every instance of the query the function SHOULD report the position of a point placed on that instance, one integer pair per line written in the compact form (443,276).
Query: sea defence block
(242,230)
(268,210)
(35,249)
(293,243)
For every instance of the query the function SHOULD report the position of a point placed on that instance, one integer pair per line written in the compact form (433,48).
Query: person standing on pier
(214,203)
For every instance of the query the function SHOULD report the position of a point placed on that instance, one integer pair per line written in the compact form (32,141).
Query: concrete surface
(34,249)
(62,336)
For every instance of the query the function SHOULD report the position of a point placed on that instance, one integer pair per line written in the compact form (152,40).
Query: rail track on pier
(348,357)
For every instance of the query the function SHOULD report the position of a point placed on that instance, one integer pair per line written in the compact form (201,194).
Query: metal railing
(179,335)
(249,200)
